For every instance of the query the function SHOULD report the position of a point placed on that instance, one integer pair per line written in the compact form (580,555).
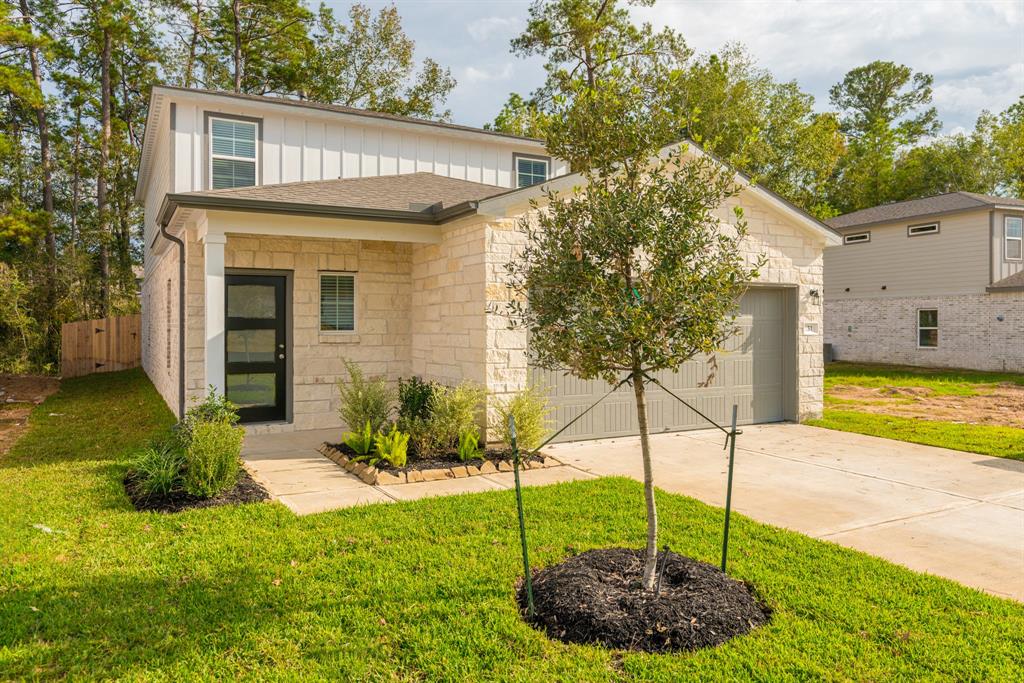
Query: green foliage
(159,468)
(532,416)
(519,116)
(414,398)
(212,458)
(392,447)
(453,411)
(362,441)
(214,408)
(469,445)
(364,400)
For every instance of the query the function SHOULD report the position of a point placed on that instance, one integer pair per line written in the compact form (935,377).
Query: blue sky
(975,49)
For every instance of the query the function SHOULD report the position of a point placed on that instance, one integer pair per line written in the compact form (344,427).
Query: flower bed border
(371,475)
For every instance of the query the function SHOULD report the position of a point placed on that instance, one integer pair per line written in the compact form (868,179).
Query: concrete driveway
(954,514)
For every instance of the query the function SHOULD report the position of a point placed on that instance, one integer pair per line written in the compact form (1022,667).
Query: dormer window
(233,153)
(531,170)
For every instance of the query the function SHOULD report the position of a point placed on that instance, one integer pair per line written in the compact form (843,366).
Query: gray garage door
(751,373)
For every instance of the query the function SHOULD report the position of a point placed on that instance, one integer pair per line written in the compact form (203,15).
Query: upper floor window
(530,171)
(855,237)
(233,153)
(925,229)
(1013,235)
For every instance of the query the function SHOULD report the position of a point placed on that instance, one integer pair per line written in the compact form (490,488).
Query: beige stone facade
(971,334)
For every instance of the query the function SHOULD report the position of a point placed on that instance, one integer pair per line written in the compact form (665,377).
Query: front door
(256,347)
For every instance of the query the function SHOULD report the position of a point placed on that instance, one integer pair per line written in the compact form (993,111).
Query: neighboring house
(315,233)
(936,282)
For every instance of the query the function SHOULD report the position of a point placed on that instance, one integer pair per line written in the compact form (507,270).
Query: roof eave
(1002,290)
(917,216)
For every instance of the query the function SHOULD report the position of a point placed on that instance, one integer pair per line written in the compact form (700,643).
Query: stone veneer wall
(160,332)
(884,330)
(380,344)
(794,258)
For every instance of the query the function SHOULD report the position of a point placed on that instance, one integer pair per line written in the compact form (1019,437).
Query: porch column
(213,257)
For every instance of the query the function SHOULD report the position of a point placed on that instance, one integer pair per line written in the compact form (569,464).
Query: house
(933,282)
(284,236)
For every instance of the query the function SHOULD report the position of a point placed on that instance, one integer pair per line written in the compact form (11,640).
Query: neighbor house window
(1013,232)
(927,229)
(855,237)
(337,302)
(530,171)
(233,153)
(927,328)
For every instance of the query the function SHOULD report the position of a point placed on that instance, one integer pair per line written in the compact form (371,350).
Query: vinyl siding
(1002,266)
(954,261)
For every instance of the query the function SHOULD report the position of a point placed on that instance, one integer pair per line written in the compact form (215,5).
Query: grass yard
(978,412)
(412,591)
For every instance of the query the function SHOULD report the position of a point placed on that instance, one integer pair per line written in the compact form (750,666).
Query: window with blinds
(233,153)
(337,302)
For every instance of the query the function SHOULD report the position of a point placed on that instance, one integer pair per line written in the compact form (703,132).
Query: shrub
(392,447)
(362,441)
(214,408)
(364,400)
(469,445)
(212,458)
(414,399)
(158,468)
(453,410)
(532,414)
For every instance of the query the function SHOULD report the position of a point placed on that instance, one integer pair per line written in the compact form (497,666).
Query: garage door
(751,373)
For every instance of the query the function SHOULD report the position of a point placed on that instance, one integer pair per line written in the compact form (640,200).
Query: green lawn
(1005,442)
(412,591)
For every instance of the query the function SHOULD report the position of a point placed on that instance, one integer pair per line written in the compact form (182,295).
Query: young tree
(636,272)
(1008,147)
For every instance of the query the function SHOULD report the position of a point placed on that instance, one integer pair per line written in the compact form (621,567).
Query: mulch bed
(245,491)
(445,461)
(595,597)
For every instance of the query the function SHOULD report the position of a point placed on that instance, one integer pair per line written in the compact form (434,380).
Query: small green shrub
(532,415)
(414,399)
(364,400)
(454,410)
(158,468)
(214,408)
(469,445)
(212,458)
(392,447)
(362,441)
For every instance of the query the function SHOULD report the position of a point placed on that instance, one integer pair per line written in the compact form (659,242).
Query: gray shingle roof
(1013,283)
(919,208)
(419,197)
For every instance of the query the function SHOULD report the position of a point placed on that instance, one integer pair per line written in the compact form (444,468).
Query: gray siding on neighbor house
(954,261)
(1001,266)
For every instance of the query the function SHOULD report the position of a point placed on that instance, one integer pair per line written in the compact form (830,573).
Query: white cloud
(482,30)
(472,74)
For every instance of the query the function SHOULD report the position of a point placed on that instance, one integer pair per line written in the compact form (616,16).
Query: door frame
(289,336)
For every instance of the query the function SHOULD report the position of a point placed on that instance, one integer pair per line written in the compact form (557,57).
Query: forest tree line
(76,77)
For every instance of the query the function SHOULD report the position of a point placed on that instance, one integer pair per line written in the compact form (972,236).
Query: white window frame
(854,237)
(211,155)
(919,328)
(1007,239)
(355,301)
(923,229)
(516,158)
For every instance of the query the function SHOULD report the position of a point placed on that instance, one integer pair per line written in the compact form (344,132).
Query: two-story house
(934,282)
(283,237)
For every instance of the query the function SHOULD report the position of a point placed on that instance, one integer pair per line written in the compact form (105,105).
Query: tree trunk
(101,177)
(651,551)
(236,11)
(193,44)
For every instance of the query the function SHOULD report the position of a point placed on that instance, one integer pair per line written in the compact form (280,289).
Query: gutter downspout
(181,318)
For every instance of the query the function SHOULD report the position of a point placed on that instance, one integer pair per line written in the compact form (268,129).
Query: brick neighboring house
(283,237)
(934,282)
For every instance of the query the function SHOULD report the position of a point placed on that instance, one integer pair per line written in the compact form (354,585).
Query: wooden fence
(104,345)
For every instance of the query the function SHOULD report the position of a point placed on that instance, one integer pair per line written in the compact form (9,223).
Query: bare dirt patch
(995,404)
(18,395)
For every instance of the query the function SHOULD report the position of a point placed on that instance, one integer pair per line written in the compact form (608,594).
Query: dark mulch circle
(444,461)
(245,491)
(595,597)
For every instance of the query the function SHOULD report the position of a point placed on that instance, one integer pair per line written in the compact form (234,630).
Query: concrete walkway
(290,468)
(950,513)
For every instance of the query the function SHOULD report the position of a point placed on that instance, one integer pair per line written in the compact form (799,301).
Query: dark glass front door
(256,347)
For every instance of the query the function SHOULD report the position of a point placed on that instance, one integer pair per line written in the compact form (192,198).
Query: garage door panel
(751,374)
